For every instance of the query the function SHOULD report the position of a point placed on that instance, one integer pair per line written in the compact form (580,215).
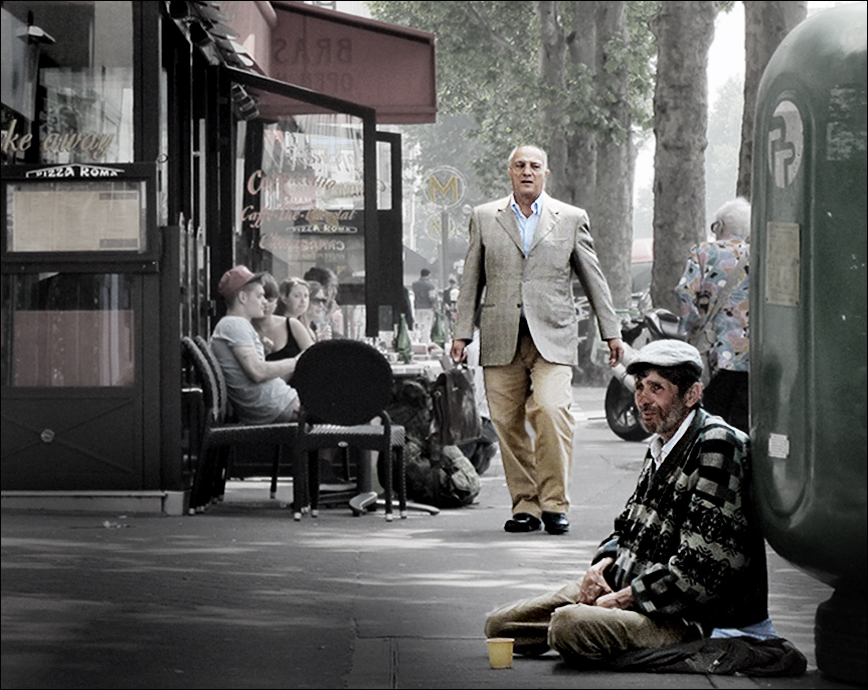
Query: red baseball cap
(236,278)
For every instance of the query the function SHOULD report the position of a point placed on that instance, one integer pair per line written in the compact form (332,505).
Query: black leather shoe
(522,522)
(556,523)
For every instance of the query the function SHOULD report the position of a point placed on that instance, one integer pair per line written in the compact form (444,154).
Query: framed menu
(77,217)
(76,210)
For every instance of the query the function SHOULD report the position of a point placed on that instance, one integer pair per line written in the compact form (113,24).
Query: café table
(427,368)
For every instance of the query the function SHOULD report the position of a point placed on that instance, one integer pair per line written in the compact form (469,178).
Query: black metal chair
(217,437)
(343,386)
(279,457)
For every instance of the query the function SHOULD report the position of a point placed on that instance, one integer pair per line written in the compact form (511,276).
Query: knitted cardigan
(687,542)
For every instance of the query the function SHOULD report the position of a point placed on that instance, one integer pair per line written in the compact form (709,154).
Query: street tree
(684,31)
(575,78)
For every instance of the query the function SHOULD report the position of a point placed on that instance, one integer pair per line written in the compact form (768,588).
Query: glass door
(305,185)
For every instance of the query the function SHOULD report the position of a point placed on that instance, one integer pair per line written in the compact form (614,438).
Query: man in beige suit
(524,251)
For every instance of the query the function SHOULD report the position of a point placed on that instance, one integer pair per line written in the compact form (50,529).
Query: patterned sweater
(708,268)
(687,542)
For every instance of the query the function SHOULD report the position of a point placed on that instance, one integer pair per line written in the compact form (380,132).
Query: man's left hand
(616,350)
(622,599)
(458,351)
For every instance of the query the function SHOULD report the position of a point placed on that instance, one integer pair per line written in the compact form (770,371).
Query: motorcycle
(622,414)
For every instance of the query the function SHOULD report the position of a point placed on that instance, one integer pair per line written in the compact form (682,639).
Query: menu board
(77,216)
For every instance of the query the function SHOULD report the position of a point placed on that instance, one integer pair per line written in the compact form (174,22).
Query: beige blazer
(499,277)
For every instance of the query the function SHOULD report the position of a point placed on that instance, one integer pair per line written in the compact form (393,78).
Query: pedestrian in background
(524,252)
(450,302)
(424,303)
(714,290)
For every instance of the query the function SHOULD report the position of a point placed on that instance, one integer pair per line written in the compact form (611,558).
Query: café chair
(226,412)
(217,437)
(343,387)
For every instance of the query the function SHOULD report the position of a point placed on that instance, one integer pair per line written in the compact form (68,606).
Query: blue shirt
(526,225)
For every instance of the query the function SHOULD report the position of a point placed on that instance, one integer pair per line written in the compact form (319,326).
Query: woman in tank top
(283,336)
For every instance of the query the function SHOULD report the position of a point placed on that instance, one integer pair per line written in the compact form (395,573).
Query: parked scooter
(621,412)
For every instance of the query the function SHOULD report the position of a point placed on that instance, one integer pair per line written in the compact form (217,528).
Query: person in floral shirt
(708,269)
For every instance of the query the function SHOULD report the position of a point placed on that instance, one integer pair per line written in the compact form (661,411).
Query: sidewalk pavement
(243,597)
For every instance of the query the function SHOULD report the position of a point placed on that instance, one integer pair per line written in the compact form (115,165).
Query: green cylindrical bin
(808,319)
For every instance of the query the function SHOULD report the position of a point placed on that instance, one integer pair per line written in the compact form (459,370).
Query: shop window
(68,330)
(302,196)
(67,82)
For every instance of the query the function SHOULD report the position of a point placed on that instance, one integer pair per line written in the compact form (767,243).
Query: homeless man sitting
(686,556)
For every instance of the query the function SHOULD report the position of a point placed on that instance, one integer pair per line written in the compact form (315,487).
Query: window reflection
(87,118)
(67,87)
(68,330)
(302,197)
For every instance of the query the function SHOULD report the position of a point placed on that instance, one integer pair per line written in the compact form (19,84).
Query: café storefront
(146,148)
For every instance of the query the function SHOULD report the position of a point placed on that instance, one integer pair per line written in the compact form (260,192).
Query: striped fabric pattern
(687,542)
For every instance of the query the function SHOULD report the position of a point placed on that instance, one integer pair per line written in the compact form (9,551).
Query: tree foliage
(574,78)
(491,65)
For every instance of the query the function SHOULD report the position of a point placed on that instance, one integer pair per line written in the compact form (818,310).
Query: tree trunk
(596,176)
(552,69)
(684,32)
(612,210)
(578,184)
(765,26)
(612,221)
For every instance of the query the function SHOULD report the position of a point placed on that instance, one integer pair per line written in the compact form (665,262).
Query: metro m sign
(444,187)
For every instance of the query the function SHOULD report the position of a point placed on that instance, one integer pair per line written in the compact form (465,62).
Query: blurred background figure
(450,301)
(715,284)
(407,307)
(329,281)
(316,318)
(424,304)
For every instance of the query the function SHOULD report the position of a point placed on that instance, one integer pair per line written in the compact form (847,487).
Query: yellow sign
(445,186)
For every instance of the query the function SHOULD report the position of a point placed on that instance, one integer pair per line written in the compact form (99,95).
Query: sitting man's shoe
(522,522)
(556,523)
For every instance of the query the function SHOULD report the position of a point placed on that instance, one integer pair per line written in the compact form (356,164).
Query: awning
(382,66)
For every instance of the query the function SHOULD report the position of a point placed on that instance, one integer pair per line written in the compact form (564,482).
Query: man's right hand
(594,585)
(458,353)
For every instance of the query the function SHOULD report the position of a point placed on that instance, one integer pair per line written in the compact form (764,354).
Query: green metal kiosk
(808,320)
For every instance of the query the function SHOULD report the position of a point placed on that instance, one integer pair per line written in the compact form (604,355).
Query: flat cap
(666,353)
(236,278)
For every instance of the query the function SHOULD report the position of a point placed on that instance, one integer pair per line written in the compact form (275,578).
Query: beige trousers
(531,389)
(581,634)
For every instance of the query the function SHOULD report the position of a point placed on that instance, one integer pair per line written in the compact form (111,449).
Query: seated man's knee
(561,629)
(572,636)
